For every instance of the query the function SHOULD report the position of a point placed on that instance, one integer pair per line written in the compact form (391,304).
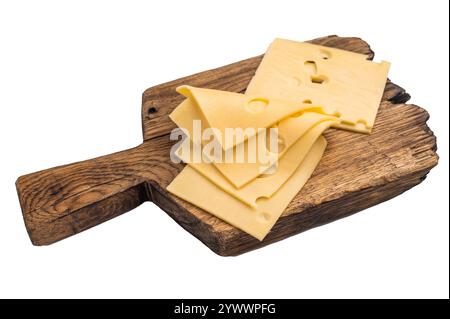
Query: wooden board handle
(59,202)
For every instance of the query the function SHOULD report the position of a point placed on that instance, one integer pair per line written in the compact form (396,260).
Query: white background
(71,79)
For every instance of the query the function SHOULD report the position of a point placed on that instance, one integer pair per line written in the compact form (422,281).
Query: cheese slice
(345,83)
(191,186)
(221,110)
(267,184)
(238,174)
(289,131)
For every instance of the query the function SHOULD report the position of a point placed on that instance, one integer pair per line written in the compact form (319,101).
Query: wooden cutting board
(356,172)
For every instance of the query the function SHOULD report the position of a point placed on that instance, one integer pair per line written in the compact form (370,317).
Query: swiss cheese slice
(238,174)
(267,184)
(289,131)
(191,186)
(345,83)
(223,110)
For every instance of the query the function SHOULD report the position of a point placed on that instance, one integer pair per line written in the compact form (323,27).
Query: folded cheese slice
(265,185)
(289,131)
(191,186)
(239,174)
(223,110)
(345,83)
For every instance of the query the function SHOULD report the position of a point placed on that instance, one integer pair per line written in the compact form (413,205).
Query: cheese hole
(361,124)
(257,105)
(325,55)
(308,101)
(311,67)
(315,109)
(260,200)
(319,79)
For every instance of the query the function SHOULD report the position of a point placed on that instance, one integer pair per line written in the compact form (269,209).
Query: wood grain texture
(356,172)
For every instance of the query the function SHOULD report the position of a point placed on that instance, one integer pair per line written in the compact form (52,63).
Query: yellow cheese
(267,184)
(345,83)
(289,130)
(221,110)
(191,186)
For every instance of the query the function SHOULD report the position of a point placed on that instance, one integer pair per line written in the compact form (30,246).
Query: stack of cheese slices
(301,90)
